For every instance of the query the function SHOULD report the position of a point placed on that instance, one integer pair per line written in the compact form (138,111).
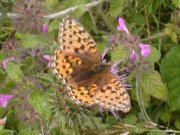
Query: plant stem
(140,99)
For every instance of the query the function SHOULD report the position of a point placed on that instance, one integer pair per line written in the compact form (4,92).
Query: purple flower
(45,28)
(145,49)
(4,100)
(48,58)
(114,114)
(6,61)
(122,26)
(133,56)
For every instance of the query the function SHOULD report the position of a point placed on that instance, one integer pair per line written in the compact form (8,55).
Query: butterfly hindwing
(113,95)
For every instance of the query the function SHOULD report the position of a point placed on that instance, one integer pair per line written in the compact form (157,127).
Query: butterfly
(78,64)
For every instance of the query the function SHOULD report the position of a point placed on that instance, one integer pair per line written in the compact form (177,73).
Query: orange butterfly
(78,64)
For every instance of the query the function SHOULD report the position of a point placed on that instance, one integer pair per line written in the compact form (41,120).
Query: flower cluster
(30,16)
(145,48)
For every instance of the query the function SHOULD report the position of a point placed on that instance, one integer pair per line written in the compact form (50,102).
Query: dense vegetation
(36,101)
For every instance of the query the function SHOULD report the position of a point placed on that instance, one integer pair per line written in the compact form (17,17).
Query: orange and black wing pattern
(76,63)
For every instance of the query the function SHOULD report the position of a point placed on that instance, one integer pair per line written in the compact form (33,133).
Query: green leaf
(155,55)
(8,86)
(6,132)
(165,116)
(102,45)
(2,75)
(14,72)
(174,99)
(174,37)
(89,25)
(116,7)
(131,119)
(170,70)
(119,53)
(54,25)
(31,41)
(176,3)
(177,123)
(28,132)
(3,56)
(41,104)
(51,3)
(152,85)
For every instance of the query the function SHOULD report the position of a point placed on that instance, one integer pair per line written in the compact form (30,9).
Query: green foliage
(155,55)
(171,74)
(28,132)
(176,3)
(152,85)
(41,104)
(6,132)
(31,41)
(119,53)
(116,7)
(28,66)
(14,72)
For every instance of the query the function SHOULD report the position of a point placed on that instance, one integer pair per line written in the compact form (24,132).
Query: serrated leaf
(41,104)
(31,41)
(155,55)
(170,72)
(116,7)
(153,85)
(119,53)
(14,72)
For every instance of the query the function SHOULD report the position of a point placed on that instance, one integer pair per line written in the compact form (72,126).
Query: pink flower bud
(48,58)
(45,28)
(6,61)
(122,26)
(133,56)
(145,49)
(4,100)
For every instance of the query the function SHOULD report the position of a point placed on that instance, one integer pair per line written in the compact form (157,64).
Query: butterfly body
(77,63)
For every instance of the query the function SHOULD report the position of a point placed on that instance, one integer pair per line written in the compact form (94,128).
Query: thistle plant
(30,16)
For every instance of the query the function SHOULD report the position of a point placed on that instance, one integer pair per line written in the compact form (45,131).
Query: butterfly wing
(73,39)
(77,53)
(112,95)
